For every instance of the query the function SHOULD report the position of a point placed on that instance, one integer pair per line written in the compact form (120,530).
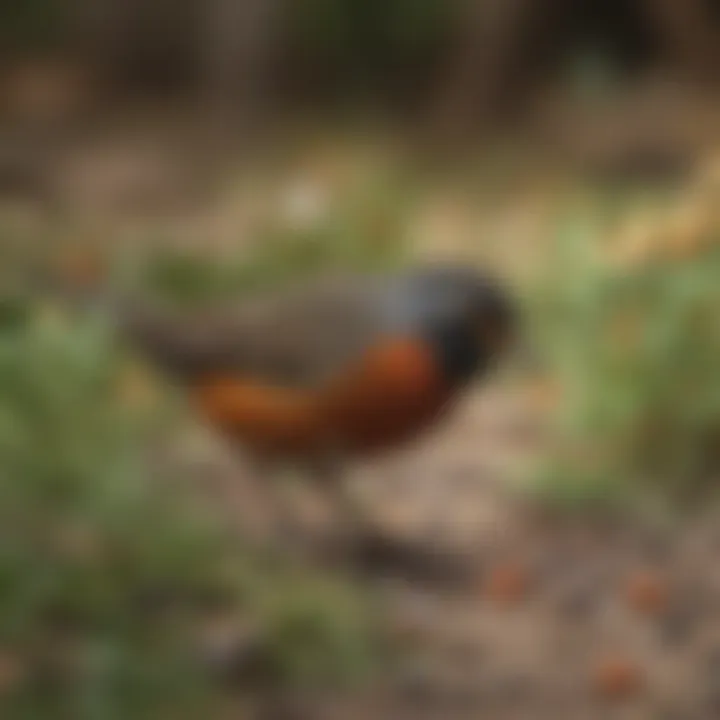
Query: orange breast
(268,419)
(388,397)
(393,394)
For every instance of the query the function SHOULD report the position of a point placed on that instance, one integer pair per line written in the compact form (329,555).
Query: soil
(502,609)
(512,613)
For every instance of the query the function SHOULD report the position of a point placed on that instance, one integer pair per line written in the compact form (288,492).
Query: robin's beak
(497,338)
(524,356)
(514,348)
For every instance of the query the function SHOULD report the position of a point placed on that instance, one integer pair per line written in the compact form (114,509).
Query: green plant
(362,230)
(109,567)
(637,354)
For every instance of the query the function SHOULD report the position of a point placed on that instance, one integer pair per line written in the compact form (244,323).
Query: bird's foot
(378,553)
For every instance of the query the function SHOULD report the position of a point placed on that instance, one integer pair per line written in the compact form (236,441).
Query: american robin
(341,368)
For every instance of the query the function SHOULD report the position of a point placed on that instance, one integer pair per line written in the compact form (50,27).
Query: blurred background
(207,149)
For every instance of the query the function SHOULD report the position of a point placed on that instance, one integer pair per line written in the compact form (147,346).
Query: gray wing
(295,338)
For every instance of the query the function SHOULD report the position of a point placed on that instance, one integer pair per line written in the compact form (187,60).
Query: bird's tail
(85,282)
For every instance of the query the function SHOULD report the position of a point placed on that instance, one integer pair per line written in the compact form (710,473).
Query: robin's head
(467,316)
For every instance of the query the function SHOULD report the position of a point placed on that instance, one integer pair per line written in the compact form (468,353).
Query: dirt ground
(562,618)
(515,613)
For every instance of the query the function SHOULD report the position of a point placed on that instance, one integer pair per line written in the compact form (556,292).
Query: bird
(333,369)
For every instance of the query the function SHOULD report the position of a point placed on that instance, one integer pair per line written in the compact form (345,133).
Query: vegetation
(361,229)
(632,334)
(111,571)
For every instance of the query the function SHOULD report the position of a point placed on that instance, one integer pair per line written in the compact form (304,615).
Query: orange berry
(647,593)
(617,678)
(509,583)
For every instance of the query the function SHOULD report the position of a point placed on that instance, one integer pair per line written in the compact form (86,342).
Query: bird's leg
(272,481)
(289,528)
(351,515)
(365,543)
(325,475)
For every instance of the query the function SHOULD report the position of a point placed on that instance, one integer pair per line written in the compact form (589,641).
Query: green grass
(362,229)
(109,567)
(637,355)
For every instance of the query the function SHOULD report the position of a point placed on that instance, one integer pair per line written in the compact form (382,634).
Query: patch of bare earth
(536,615)
(548,618)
